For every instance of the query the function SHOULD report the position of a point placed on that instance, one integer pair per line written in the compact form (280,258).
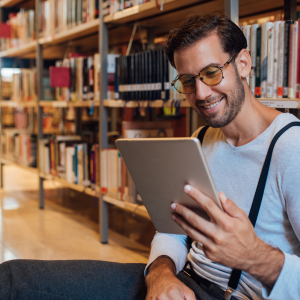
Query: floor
(56,232)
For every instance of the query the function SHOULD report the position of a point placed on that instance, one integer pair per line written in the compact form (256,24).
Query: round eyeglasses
(212,75)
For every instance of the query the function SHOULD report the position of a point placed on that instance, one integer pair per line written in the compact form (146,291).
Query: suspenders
(253,214)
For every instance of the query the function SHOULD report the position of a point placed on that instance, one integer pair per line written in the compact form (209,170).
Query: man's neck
(253,119)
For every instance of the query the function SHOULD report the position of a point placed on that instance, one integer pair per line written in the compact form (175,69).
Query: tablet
(160,168)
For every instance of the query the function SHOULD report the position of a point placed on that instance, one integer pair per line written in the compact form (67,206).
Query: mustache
(209,100)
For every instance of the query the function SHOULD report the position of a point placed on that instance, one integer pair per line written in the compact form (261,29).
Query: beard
(233,105)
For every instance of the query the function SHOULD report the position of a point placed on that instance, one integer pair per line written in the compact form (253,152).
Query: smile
(212,105)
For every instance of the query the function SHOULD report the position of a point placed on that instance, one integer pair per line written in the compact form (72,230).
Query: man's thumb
(229,206)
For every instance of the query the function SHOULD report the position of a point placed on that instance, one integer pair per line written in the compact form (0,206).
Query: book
(253,33)
(270,61)
(281,60)
(276,56)
(258,64)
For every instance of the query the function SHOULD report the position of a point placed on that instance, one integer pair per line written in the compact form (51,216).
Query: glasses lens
(185,84)
(211,75)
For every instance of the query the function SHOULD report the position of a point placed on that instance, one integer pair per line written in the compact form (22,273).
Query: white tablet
(160,168)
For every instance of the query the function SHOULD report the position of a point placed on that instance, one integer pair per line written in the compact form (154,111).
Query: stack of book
(84,77)
(116,181)
(275,54)
(22,29)
(19,146)
(24,86)
(145,76)
(112,6)
(60,15)
(66,157)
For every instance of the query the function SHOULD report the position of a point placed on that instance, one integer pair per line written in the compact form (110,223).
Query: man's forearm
(163,264)
(267,265)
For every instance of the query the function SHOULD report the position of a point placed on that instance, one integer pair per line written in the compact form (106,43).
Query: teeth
(212,105)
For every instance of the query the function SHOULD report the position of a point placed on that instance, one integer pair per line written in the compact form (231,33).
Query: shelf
(76,32)
(9,3)
(131,207)
(146,10)
(46,103)
(281,103)
(156,103)
(73,186)
(15,104)
(20,51)
(9,162)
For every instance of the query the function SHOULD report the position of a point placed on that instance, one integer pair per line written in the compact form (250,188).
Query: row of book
(21,29)
(113,6)
(24,86)
(275,54)
(19,146)
(60,15)
(145,76)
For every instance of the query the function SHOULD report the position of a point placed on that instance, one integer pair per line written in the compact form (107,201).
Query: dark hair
(197,27)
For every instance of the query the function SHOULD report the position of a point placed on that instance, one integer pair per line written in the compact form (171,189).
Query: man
(235,146)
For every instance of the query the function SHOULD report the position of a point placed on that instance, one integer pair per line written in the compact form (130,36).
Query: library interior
(75,76)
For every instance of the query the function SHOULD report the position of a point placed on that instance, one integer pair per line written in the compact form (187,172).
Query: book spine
(258,64)
(286,58)
(295,59)
(264,58)
(253,39)
(247,33)
(276,56)
(270,61)
(281,60)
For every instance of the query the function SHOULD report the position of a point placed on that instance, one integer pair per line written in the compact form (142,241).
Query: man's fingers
(192,232)
(231,208)
(205,202)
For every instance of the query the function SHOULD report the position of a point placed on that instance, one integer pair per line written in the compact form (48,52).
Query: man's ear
(243,63)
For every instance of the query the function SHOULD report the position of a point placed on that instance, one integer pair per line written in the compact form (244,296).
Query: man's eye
(186,82)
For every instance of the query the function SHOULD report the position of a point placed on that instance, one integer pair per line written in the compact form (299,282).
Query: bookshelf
(99,34)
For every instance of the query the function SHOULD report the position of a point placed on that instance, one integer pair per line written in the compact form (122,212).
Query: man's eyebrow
(213,64)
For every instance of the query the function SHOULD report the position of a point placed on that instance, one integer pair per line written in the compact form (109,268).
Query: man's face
(218,105)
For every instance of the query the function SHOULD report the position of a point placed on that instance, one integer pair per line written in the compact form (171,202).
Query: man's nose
(203,91)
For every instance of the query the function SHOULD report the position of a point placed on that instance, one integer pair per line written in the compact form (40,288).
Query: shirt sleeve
(287,285)
(172,245)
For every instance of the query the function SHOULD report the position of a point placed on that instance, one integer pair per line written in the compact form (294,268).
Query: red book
(5,30)
(59,77)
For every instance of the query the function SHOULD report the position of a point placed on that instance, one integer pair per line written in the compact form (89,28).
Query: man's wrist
(162,265)
(267,265)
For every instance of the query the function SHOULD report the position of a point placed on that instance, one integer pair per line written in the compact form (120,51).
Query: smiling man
(209,53)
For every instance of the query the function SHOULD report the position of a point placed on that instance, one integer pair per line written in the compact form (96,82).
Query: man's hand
(162,283)
(229,238)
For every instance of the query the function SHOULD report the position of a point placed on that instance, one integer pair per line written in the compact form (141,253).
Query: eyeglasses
(212,75)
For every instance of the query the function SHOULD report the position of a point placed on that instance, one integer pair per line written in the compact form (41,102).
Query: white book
(292,61)
(253,56)
(70,151)
(295,58)
(264,57)
(247,33)
(276,56)
(270,61)
(104,175)
(280,60)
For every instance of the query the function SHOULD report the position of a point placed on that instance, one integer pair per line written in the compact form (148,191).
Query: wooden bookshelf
(146,10)
(22,51)
(15,104)
(73,33)
(9,3)
(281,103)
(46,103)
(131,207)
(73,186)
(156,103)
(9,162)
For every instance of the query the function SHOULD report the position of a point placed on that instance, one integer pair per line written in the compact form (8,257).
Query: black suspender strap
(201,133)
(253,214)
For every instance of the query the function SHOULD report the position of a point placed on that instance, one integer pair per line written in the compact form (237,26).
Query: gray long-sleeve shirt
(236,171)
